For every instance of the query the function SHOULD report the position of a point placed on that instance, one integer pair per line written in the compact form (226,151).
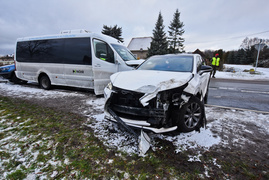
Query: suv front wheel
(189,117)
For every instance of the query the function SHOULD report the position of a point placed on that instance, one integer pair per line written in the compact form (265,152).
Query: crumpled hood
(148,81)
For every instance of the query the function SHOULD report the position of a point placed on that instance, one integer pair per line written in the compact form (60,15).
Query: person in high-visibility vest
(215,64)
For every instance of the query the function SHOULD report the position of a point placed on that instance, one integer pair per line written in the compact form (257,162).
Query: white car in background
(165,93)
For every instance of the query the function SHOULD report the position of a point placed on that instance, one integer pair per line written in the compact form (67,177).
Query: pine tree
(250,55)
(241,56)
(159,44)
(175,34)
(231,57)
(113,32)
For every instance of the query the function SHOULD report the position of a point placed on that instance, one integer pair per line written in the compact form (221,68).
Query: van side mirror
(205,69)
(117,62)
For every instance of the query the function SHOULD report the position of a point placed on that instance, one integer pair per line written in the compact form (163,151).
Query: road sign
(258,47)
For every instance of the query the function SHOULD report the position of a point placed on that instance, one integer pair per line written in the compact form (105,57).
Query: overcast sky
(209,24)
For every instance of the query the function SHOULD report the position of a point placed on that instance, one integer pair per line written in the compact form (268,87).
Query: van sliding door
(78,61)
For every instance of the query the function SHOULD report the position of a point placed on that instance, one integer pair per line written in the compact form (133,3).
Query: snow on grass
(20,152)
(97,103)
(238,118)
(111,135)
(30,92)
(204,139)
(192,140)
(261,73)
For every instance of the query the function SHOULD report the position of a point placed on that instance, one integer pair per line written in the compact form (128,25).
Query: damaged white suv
(165,93)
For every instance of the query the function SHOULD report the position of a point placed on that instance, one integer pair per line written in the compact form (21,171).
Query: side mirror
(205,69)
(117,62)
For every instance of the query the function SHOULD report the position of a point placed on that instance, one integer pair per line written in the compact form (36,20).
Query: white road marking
(256,92)
(243,91)
(241,109)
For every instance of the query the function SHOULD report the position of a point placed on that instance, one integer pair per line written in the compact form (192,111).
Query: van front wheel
(44,82)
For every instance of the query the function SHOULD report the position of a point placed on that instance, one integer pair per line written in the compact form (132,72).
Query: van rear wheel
(44,82)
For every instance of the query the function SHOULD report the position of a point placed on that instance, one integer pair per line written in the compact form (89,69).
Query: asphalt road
(246,94)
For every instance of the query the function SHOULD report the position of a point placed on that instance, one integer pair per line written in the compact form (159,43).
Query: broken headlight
(170,97)
(109,86)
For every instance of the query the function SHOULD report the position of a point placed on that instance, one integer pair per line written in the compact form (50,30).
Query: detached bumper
(140,124)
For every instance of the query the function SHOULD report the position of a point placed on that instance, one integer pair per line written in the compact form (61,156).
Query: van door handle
(97,65)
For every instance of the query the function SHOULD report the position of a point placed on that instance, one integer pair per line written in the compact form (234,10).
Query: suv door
(204,78)
(103,65)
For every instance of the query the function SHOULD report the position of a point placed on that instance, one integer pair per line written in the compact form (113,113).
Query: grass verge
(41,143)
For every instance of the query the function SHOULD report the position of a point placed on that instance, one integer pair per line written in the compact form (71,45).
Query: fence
(2,63)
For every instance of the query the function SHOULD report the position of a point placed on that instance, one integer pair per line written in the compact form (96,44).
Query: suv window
(199,63)
(103,51)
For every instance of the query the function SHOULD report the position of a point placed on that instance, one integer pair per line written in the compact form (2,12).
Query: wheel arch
(41,74)
(199,95)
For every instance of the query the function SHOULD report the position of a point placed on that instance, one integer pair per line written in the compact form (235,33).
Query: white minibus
(75,58)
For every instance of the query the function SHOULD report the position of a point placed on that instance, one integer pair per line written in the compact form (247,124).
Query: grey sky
(209,24)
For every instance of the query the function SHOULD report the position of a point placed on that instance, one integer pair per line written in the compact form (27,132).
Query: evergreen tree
(159,44)
(241,56)
(236,58)
(250,51)
(175,34)
(113,32)
(231,57)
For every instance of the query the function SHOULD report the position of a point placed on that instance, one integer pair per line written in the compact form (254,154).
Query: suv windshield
(124,53)
(168,63)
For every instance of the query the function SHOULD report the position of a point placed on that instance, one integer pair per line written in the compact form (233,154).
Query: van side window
(43,51)
(77,51)
(68,51)
(103,51)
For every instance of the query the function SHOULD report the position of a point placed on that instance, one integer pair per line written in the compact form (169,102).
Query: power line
(250,35)
(226,39)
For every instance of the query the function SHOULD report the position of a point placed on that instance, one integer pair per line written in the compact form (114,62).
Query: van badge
(78,71)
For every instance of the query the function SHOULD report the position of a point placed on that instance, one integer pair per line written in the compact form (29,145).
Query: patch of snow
(204,139)
(54,174)
(263,73)
(97,103)
(195,158)
(237,118)
(215,163)
(29,92)
(121,140)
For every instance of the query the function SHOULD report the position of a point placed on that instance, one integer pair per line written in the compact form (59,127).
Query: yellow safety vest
(215,61)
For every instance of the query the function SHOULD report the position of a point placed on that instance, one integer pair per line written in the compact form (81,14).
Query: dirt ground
(243,152)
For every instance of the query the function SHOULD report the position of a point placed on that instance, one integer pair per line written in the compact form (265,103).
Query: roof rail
(75,31)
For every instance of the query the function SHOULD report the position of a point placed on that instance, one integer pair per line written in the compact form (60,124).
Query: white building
(139,46)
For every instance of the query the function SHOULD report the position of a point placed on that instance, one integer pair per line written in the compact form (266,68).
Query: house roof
(197,51)
(139,43)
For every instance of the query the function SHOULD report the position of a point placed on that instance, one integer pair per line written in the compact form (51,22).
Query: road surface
(246,94)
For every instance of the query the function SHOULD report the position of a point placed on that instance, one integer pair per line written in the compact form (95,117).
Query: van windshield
(124,53)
